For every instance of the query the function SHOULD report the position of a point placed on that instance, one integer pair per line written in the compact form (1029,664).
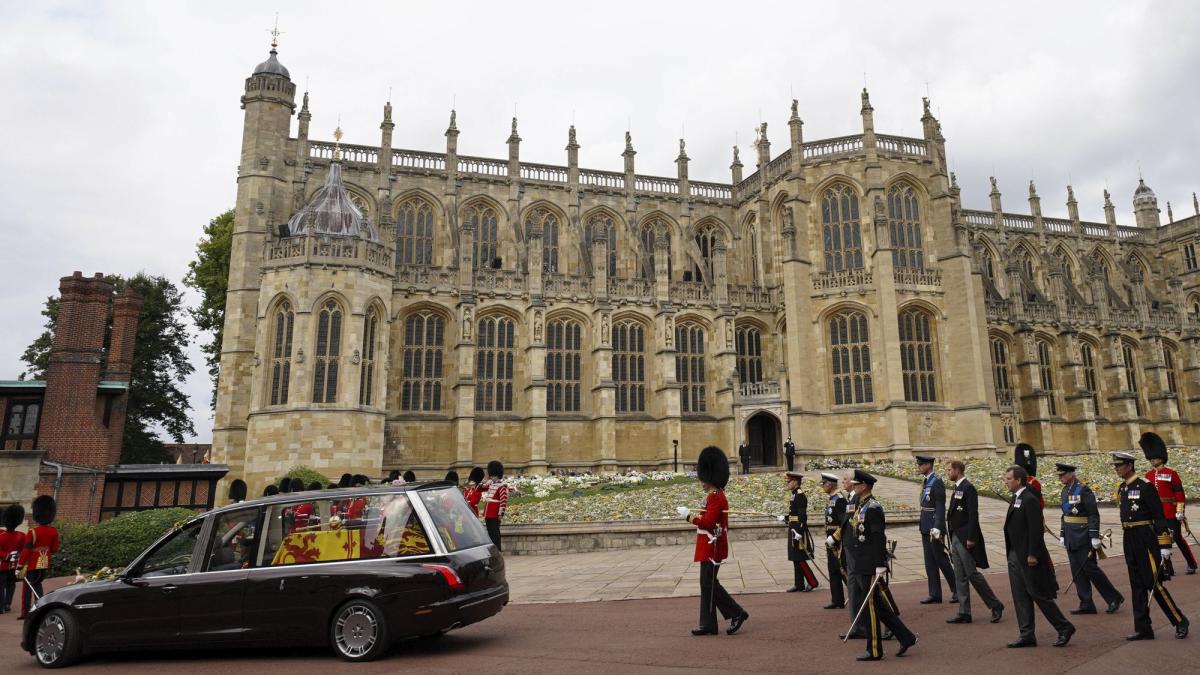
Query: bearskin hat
(452,477)
(410,477)
(331,486)
(271,490)
(360,479)
(346,480)
(1153,446)
(237,490)
(44,510)
(495,469)
(1025,457)
(297,485)
(285,485)
(315,485)
(393,475)
(712,467)
(476,475)
(14,515)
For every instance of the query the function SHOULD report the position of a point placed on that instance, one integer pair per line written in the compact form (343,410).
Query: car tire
(358,631)
(58,641)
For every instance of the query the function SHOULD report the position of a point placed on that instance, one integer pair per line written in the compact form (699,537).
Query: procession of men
(859,553)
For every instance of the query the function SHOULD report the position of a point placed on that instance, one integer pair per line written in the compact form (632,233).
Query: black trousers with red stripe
(804,574)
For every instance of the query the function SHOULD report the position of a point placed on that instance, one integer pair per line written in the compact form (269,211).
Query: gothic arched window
(1091,382)
(850,351)
(748,340)
(328,353)
(421,365)
(755,278)
(281,352)
(548,223)
(651,231)
(366,379)
(414,232)
(494,358)
(988,265)
(904,228)
(629,366)
(706,240)
(916,356)
(1000,378)
(1045,357)
(564,350)
(689,367)
(1129,353)
(604,223)
(840,229)
(1169,361)
(487,234)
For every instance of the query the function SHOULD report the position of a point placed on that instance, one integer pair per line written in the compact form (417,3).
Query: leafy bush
(307,475)
(112,543)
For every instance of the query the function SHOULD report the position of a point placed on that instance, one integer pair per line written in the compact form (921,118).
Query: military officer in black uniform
(835,513)
(799,539)
(1147,541)
(864,536)
(744,457)
(789,453)
(933,532)
(1080,535)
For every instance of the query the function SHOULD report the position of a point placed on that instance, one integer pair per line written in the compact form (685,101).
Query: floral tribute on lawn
(987,473)
(644,496)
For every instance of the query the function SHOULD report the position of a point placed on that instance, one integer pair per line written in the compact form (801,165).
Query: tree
(160,365)
(209,274)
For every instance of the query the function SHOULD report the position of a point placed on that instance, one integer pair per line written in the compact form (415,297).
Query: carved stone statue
(795,108)
(466,326)
(993,181)
(604,329)
(537,326)
(669,331)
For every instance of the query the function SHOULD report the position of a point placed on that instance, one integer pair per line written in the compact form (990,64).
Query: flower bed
(645,497)
(1094,469)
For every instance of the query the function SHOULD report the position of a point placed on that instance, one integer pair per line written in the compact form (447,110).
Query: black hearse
(357,569)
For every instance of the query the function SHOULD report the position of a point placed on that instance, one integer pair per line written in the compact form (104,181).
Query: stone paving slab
(754,566)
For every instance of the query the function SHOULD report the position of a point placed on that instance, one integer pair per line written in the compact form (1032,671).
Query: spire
(1110,211)
(995,195)
(1072,205)
(736,167)
(1170,213)
(304,117)
(1195,204)
(796,125)
(513,137)
(764,146)
(272,66)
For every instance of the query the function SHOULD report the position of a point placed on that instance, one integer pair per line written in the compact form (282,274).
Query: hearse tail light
(449,575)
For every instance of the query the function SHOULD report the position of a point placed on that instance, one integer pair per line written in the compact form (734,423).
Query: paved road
(787,632)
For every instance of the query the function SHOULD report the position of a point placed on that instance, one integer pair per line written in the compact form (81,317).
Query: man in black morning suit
(932,500)
(1080,535)
(967,549)
(1030,574)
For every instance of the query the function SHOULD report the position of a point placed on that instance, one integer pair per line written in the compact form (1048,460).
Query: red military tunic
(11,543)
(1033,483)
(40,544)
(712,525)
(1170,490)
(496,502)
(473,494)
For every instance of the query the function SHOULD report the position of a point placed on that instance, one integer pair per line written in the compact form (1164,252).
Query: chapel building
(408,309)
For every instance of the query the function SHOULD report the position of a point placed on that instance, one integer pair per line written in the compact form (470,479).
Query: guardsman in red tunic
(11,543)
(1170,493)
(495,501)
(712,543)
(1025,457)
(40,544)
(473,493)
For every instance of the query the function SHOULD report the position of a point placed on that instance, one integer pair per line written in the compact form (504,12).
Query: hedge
(307,475)
(113,543)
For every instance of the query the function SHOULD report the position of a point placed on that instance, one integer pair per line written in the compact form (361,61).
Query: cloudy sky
(122,123)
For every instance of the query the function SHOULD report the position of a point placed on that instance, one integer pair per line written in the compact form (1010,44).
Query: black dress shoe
(1134,637)
(1023,642)
(806,589)
(959,618)
(793,589)
(705,631)
(904,648)
(736,623)
(1181,631)
(1114,606)
(1083,610)
(834,605)
(997,614)
(867,657)
(931,601)
(887,635)
(1064,636)
(1191,571)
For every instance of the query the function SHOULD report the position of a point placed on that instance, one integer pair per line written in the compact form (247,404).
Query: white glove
(1062,541)
(935,533)
(782,519)
(829,542)
(880,571)
(1166,553)
(683,512)
(1096,544)
(797,536)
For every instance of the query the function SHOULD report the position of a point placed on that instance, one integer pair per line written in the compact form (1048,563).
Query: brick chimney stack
(75,355)
(127,307)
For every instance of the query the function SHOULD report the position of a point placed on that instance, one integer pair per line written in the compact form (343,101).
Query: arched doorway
(762,434)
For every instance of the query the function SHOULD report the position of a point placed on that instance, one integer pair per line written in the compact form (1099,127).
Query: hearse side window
(453,519)
(354,528)
(174,555)
(234,538)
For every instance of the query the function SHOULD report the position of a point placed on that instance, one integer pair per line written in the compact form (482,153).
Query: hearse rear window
(453,519)
(354,528)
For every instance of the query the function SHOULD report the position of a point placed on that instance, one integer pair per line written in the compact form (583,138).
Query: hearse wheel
(358,631)
(58,642)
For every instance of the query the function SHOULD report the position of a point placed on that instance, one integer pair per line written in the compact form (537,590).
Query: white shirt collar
(959,481)
(1018,492)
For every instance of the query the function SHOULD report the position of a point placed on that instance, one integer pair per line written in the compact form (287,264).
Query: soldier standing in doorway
(789,453)
(744,456)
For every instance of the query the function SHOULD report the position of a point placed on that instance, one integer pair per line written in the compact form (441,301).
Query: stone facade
(556,317)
